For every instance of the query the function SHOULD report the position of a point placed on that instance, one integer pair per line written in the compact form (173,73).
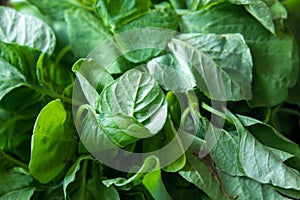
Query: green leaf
(151,180)
(262,13)
(269,136)
(25,194)
(10,78)
(52,75)
(172,73)
(92,79)
(23,58)
(83,181)
(53,9)
(90,130)
(201,176)
(85,31)
(26,30)
(211,79)
(123,130)
(163,17)
(135,94)
(231,53)
(115,12)
(52,144)
(15,185)
(274,70)
(260,163)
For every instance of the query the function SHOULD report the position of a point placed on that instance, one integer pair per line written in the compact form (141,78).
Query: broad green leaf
(201,176)
(90,130)
(171,73)
(83,181)
(26,30)
(274,70)
(114,13)
(85,31)
(151,180)
(269,136)
(163,17)
(52,145)
(211,79)
(231,53)
(71,174)
(260,163)
(15,185)
(135,94)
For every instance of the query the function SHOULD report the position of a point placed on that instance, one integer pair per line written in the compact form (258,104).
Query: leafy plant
(220,82)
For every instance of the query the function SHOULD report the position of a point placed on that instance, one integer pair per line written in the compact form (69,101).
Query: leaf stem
(207,160)
(61,54)
(289,111)
(84,176)
(185,115)
(215,112)
(14,161)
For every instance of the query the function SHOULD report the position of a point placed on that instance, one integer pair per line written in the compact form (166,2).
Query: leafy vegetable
(173,99)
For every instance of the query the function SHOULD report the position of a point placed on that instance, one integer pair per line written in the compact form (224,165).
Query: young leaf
(26,30)
(90,130)
(135,94)
(151,180)
(52,144)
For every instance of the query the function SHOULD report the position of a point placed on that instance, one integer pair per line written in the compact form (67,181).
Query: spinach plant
(219,82)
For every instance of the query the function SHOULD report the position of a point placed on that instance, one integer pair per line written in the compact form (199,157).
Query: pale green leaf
(25,30)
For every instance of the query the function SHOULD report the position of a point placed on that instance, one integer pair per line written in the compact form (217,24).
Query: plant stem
(14,161)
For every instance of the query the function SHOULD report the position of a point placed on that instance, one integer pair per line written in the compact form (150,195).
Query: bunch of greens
(252,44)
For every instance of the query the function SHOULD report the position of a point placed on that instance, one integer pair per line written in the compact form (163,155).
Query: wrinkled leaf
(137,95)
(25,30)
(274,70)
